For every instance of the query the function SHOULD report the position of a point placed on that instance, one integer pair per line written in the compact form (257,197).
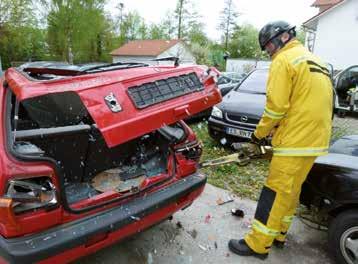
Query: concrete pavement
(202,235)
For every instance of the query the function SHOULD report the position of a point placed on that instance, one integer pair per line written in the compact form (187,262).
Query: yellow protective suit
(299,110)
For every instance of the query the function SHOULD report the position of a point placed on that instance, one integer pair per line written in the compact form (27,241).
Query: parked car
(226,82)
(229,80)
(93,154)
(346,87)
(237,116)
(332,187)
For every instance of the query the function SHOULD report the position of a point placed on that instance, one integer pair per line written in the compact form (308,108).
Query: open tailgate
(136,102)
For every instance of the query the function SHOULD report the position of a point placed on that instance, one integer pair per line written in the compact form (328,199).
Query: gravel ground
(345,126)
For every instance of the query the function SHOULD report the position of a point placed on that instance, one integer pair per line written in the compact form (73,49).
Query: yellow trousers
(278,201)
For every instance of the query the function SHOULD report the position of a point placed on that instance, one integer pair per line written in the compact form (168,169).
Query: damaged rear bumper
(137,214)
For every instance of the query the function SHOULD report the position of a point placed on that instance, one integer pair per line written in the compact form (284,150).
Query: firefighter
(298,113)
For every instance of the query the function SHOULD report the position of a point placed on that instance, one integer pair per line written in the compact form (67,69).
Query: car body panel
(137,214)
(130,122)
(165,191)
(334,177)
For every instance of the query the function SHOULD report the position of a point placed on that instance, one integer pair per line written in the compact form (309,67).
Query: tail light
(191,151)
(29,194)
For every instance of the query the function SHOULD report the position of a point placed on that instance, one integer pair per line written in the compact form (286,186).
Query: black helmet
(272,30)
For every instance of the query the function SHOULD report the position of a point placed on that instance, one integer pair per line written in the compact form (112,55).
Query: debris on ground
(237,212)
(221,201)
(179,225)
(202,247)
(150,258)
(227,255)
(193,233)
(207,219)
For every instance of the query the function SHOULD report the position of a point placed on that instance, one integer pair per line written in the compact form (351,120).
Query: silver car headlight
(216,112)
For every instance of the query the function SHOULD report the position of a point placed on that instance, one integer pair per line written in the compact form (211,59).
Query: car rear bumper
(69,241)
(218,130)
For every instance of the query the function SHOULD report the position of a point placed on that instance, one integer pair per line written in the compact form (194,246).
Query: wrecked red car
(92,154)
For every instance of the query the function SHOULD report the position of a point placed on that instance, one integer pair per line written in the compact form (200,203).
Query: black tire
(343,227)
(341,113)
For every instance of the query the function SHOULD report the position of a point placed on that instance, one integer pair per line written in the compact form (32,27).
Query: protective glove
(255,140)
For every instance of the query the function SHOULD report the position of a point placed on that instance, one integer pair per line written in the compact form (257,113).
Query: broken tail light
(191,151)
(29,194)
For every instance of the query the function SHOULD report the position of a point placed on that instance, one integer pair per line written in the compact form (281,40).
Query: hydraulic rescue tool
(246,152)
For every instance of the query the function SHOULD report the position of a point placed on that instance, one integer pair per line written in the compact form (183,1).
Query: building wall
(145,59)
(337,35)
(181,51)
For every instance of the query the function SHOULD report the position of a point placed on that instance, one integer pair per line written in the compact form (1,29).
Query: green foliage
(244,43)
(20,37)
(78,31)
(244,181)
(301,35)
(228,21)
(216,56)
(200,53)
(187,20)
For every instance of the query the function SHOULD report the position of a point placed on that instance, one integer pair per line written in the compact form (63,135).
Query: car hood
(241,102)
(346,145)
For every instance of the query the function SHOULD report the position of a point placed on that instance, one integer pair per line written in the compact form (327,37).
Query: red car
(93,154)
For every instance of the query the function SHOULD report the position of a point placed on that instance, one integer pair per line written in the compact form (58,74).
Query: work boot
(241,248)
(279,244)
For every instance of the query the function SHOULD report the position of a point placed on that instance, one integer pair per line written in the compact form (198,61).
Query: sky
(256,12)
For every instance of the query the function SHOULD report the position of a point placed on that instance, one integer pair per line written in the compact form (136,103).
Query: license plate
(238,132)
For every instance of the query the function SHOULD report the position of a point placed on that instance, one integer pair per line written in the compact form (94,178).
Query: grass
(243,181)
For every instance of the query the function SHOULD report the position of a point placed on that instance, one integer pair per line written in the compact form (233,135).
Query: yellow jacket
(299,103)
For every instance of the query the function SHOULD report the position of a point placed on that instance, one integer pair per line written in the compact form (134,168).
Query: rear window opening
(58,126)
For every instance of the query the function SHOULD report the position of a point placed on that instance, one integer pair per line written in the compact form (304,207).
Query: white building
(333,33)
(148,50)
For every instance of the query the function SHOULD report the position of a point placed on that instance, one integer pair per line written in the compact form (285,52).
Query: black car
(332,187)
(229,80)
(237,116)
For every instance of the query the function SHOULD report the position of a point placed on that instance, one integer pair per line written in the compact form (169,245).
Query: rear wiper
(120,65)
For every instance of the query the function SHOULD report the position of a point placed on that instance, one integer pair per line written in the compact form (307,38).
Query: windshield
(255,82)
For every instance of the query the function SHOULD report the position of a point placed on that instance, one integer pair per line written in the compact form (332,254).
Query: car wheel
(341,113)
(343,237)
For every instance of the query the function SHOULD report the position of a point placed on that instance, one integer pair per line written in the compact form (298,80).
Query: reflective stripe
(257,226)
(287,219)
(300,151)
(273,115)
(300,60)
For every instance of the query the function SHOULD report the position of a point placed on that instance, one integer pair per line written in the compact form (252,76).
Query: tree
(301,35)
(20,36)
(228,20)
(196,34)
(244,43)
(78,29)
(156,31)
(168,25)
(186,17)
